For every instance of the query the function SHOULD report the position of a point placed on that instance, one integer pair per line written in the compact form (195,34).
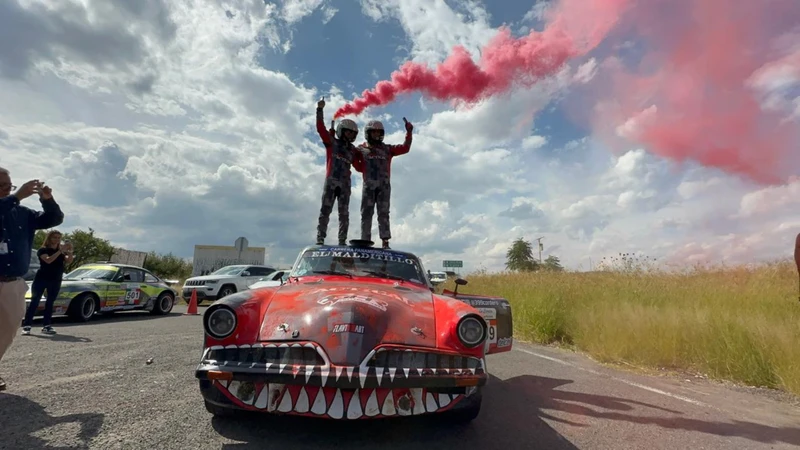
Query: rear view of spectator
(52,258)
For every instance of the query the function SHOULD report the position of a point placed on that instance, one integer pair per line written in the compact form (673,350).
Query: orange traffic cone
(192,311)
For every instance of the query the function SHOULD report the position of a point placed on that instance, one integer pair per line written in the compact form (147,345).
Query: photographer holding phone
(53,257)
(18,224)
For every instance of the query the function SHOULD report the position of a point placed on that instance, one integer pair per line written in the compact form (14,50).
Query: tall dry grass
(740,324)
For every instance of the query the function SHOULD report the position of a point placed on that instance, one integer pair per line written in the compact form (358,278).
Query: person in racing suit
(339,150)
(374,162)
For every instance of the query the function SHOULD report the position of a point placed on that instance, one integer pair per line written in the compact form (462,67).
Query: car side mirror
(459,282)
(245,274)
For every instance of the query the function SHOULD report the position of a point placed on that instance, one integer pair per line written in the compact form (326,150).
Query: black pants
(338,192)
(372,196)
(37,289)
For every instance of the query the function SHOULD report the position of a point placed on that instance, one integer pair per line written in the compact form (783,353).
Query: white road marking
(621,380)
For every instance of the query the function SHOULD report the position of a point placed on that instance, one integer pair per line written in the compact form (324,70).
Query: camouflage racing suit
(339,158)
(374,161)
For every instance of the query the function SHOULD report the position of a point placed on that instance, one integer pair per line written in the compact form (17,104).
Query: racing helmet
(374,125)
(346,124)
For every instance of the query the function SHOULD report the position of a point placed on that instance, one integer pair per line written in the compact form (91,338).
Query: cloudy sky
(165,124)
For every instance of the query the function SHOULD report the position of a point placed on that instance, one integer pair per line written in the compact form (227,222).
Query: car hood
(261,284)
(210,277)
(348,320)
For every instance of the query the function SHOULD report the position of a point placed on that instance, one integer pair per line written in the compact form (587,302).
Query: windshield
(230,270)
(93,273)
(360,262)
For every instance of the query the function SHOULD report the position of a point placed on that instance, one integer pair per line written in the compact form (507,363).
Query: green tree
(552,263)
(38,239)
(87,248)
(168,266)
(519,256)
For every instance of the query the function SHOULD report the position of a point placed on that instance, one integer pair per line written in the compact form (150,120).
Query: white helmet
(374,125)
(346,124)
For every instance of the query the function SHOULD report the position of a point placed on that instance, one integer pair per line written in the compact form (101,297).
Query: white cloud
(158,125)
(434,27)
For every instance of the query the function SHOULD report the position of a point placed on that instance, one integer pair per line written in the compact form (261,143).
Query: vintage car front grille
(414,359)
(293,355)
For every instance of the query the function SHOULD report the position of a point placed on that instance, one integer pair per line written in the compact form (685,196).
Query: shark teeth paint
(336,403)
(392,368)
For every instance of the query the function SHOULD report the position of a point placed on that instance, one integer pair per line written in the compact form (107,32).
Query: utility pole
(540,248)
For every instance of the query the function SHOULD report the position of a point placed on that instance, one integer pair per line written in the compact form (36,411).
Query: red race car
(354,333)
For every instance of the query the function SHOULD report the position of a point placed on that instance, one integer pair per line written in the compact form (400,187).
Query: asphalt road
(90,387)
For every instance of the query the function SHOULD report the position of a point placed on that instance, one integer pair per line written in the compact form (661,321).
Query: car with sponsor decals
(109,287)
(355,332)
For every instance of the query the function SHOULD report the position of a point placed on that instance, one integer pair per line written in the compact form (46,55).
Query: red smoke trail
(708,87)
(696,96)
(575,27)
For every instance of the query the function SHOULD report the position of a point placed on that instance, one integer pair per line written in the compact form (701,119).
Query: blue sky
(162,127)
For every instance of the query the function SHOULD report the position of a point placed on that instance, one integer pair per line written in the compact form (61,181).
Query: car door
(134,288)
(151,287)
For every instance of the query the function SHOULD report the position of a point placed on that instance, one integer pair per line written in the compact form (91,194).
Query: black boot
(386,243)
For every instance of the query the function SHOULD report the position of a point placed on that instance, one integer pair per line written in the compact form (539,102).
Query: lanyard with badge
(3,243)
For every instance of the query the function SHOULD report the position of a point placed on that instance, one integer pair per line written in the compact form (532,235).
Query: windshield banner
(381,255)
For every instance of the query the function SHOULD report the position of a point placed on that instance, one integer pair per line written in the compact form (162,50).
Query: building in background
(208,258)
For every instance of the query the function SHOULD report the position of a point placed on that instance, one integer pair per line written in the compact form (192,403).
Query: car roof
(110,264)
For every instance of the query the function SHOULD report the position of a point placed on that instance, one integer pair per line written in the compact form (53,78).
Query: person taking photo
(18,224)
(53,257)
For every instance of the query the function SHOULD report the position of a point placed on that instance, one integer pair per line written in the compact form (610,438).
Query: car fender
(498,315)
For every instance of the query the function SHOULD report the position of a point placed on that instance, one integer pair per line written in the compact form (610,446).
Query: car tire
(219,411)
(163,304)
(468,410)
(226,290)
(82,307)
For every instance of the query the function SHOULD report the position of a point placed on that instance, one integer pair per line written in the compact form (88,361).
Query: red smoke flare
(697,94)
(710,86)
(505,61)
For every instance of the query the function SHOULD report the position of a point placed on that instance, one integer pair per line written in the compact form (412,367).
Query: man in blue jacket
(18,225)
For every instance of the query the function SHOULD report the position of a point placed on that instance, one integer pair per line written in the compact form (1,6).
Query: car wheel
(226,291)
(219,411)
(82,308)
(164,304)
(468,410)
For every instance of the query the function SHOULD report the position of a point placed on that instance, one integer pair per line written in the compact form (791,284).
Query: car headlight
(220,322)
(471,331)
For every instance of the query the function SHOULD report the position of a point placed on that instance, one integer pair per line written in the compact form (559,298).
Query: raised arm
(11,201)
(48,259)
(405,147)
(51,216)
(324,134)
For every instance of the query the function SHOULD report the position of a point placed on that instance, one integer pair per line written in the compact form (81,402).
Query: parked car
(276,278)
(34,267)
(437,277)
(109,287)
(355,333)
(225,281)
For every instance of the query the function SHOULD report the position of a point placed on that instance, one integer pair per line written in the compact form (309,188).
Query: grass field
(738,324)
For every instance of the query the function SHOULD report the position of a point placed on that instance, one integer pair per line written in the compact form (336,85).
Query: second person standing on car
(53,257)
(374,161)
